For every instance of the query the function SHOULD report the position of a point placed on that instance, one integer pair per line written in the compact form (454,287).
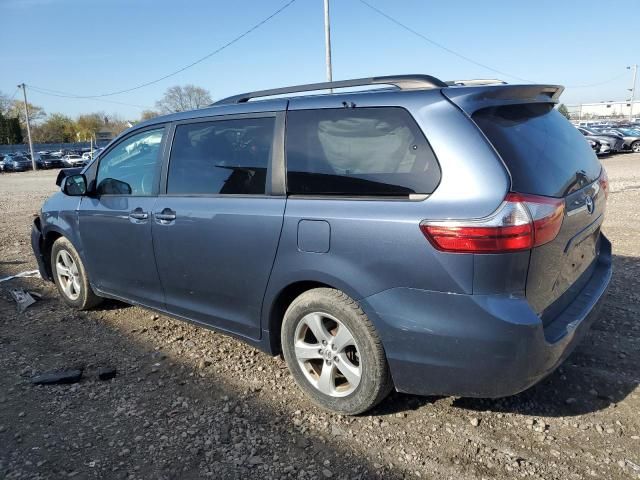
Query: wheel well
(280,305)
(47,244)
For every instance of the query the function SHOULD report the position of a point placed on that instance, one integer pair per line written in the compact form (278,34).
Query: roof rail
(403,82)
(476,82)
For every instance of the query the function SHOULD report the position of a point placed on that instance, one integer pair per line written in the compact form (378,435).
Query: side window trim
(275,181)
(119,141)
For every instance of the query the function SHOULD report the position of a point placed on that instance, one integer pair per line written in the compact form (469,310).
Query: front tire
(635,146)
(71,277)
(334,353)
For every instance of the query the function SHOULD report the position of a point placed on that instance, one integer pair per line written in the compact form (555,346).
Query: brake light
(522,222)
(604,183)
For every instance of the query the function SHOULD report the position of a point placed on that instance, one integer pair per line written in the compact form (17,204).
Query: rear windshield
(544,153)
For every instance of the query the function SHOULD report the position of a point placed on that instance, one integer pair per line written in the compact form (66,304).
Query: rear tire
(635,146)
(334,353)
(71,277)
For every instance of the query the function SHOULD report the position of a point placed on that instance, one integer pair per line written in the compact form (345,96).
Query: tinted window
(358,151)
(545,154)
(131,167)
(221,157)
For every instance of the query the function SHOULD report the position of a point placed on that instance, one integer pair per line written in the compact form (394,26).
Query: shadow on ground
(164,415)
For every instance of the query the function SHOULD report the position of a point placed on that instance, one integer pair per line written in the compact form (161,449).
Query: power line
(14,94)
(439,45)
(192,64)
(598,83)
(56,93)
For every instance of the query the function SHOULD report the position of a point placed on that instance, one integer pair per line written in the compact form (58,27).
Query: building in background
(620,110)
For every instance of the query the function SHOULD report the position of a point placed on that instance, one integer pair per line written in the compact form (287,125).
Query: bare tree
(148,115)
(180,99)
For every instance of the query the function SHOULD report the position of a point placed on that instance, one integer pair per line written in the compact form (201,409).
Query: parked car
(630,137)
(615,142)
(17,163)
(595,145)
(47,160)
(73,161)
(435,239)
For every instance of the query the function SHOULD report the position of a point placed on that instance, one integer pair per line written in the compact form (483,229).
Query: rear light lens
(604,183)
(522,222)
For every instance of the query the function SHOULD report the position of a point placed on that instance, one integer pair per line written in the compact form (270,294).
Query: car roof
(461,92)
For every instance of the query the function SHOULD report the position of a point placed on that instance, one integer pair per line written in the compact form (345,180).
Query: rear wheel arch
(280,305)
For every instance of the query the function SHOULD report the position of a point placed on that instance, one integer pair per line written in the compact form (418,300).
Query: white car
(73,161)
(86,156)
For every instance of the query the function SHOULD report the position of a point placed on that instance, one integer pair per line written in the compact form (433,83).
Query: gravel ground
(190,403)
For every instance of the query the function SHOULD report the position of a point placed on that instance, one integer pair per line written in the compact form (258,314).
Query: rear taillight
(522,222)
(604,183)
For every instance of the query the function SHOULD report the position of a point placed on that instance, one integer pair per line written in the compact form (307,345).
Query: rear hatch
(545,155)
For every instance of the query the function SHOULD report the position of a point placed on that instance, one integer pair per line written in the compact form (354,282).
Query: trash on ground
(28,273)
(22,298)
(107,373)
(71,375)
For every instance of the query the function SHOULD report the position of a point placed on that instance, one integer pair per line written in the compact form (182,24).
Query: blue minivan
(439,238)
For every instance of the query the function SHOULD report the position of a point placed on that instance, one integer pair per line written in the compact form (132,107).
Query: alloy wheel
(68,275)
(328,355)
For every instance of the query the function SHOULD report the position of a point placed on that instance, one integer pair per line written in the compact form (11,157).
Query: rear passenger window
(358,152)
(221,157)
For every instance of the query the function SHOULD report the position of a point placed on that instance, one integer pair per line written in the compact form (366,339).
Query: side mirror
(74,185)
(111,186)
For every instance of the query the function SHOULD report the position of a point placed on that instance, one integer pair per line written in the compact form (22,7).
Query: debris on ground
(107,373)
(70,375)
(23,299)
(28,273)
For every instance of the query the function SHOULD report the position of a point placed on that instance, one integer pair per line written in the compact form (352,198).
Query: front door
(115,222)
(216,230)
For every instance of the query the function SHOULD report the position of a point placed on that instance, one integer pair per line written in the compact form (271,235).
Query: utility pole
(633,90)
(327,41)
(26,114)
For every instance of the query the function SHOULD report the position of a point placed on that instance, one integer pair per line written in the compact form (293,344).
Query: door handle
(165,216)
(138,214)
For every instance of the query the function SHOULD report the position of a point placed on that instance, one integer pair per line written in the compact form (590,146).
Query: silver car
(630,136)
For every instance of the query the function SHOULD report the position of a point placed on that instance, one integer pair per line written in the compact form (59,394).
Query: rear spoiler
(472,99)
(66,172)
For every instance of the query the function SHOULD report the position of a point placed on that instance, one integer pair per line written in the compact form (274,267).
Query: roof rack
(403,82)
(476,82)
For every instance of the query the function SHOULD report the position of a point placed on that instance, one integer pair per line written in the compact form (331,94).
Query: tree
(88,125)
(179,99)
(148,115)
(9,131)
(14,132)
(36,113)
(57,128)
(562,108)
(5,104)
(116,124)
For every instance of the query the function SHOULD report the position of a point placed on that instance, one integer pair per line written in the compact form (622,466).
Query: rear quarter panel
(376,244)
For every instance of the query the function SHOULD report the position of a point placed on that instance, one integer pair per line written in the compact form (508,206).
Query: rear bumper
(479,345)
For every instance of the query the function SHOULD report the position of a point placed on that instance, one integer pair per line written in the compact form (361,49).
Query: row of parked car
(605,138)
(21,161)
(612,138)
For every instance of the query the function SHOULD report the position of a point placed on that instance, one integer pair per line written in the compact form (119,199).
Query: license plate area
(580,252)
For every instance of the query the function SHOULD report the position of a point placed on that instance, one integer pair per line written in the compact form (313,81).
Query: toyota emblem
(589,204)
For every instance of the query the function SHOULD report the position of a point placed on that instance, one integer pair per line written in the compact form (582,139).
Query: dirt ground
(190,403)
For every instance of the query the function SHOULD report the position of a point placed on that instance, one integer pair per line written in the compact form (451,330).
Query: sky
(93,47)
